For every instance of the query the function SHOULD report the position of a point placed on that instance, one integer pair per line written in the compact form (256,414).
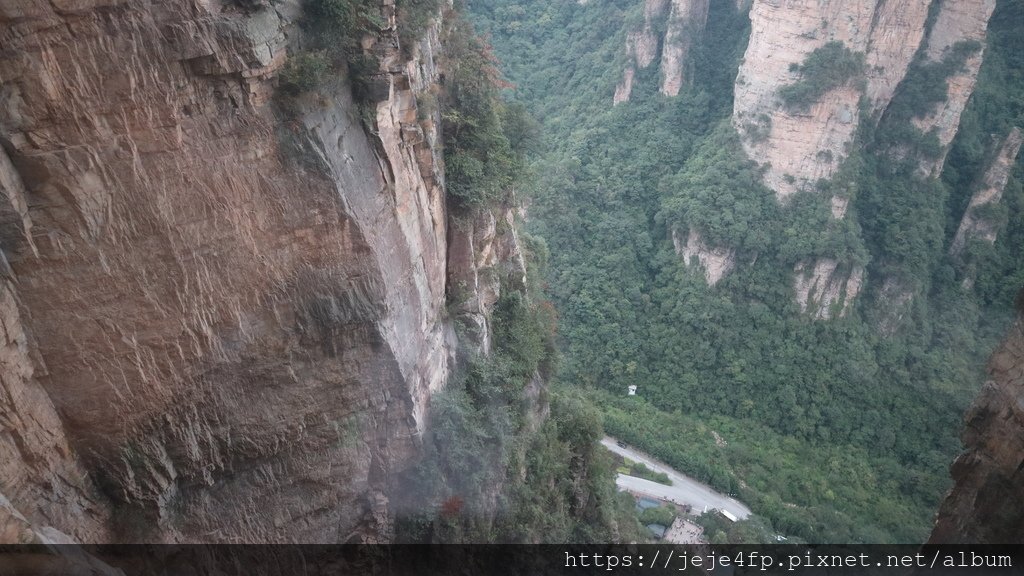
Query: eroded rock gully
(218,326)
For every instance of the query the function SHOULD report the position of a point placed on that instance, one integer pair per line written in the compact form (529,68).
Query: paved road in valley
(684,490)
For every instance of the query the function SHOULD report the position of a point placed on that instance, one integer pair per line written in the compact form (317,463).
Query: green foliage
(481,162)
(342,22)
(924,86)
(821,492)
(304,72)
(751,530)
(838,432)
(335,28)
(926,82)
(662,515)
(826,68)
(414,17)
(720,194)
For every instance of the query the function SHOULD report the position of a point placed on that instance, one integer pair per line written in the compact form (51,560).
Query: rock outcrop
(715,262)
(973,225)
(989,476)
(641,48)
(481,251)
(219,327)
(801,147)
(826,289)
(685,21)
(958,21)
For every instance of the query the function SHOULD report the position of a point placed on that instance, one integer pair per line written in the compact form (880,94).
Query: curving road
(684,490)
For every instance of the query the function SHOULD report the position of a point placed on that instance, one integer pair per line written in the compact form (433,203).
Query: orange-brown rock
(219,326)
(983,507)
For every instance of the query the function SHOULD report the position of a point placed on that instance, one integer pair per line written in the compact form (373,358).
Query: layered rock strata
(800,147)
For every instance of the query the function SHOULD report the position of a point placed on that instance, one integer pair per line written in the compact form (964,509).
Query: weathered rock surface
(686,22)
(826,289)
(797,148)
(641,47)
(983,505)
(482,250)
(218,327)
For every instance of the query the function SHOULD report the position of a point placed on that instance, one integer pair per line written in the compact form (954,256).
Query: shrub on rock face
(304,72)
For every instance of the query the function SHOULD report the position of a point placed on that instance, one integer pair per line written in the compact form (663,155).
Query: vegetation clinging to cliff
(484,137)
(826,68)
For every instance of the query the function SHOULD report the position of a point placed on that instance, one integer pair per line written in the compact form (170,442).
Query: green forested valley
(837,430)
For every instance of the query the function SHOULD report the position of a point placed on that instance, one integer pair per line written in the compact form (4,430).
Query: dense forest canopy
(839,430)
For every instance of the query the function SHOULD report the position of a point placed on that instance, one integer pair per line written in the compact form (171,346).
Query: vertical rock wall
(221,326)
(685,21)
(974,226)
(802,147)
(958,21)
(799,147)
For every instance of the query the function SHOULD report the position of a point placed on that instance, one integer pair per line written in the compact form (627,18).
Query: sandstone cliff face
(801,147)
(989,476)
(684,23)
(220,328)
(641,47)
(825,289)
(481,251)
(958,21)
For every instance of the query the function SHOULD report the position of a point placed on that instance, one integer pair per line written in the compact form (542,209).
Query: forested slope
(814,354)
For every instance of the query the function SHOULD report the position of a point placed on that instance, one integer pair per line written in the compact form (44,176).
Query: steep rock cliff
(715,262)
(799,146)
(989,476)
(221,327)
(641,48)
(802,146)
(957,22)
(684,22)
